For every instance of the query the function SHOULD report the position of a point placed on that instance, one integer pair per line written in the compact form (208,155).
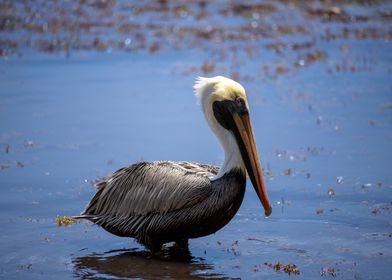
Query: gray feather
(165,201)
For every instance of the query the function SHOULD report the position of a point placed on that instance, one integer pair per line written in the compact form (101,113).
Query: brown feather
(165,201)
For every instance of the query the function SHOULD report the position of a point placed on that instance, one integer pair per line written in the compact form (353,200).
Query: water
(323,132)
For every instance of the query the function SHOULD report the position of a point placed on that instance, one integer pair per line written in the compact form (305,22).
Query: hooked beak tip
(268,211)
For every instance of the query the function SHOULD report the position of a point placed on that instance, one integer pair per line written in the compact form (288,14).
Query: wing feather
(147,188)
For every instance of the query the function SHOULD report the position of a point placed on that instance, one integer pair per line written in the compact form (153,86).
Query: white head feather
(219,88)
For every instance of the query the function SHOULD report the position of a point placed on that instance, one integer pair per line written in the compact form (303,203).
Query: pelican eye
(240,105)
(240,102)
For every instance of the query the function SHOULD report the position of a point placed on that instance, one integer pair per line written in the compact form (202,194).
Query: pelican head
(226,110)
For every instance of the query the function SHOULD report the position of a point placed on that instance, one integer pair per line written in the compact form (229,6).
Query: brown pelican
(165,201)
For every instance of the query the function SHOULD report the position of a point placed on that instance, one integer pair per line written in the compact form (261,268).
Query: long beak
(250,157)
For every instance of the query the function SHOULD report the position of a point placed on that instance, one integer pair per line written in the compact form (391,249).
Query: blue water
(324,138)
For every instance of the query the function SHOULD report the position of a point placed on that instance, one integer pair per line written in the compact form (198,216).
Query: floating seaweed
(137,26)
(64,221)
(290,268)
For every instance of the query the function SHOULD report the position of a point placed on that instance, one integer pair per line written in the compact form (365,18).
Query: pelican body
(165,201)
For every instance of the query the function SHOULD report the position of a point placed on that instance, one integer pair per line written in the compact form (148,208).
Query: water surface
(321,109)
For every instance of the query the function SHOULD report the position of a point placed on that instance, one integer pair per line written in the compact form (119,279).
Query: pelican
(164,201)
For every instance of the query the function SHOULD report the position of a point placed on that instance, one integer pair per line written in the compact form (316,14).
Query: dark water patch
(133,263)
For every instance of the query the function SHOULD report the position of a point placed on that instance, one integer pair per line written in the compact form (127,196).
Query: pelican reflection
(133,263)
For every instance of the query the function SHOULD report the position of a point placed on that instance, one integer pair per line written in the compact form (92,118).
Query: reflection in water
(171,264)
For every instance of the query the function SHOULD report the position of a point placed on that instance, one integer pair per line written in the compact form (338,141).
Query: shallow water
(323,131)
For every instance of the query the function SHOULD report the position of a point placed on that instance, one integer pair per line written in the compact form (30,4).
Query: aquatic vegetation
(65,221)
(290,268)
(139,26)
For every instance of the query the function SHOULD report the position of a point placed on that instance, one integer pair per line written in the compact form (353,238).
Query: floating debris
(277,266)
(339,179)
(329,271)
(334,14)
(95,182)
(155,47)
(311,57)
(256,268)
(290,155)
(31,219)
(208,67)
(24,266)
(28,144)
(283,202)
(5,165)
(250,9)
(46,239)
(18,164)
(287,171)
(385,207)
(319,119)
(137,26)
(288,268)
(377,235)
(259,240)
(291,269)
(331,192)
(65,221)
(280,69)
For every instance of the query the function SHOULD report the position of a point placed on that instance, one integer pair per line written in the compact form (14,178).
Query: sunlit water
(324,140)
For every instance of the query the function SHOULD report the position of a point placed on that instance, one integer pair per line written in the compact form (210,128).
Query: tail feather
(88,217)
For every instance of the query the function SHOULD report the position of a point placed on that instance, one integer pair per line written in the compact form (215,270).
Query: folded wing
(147,188)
